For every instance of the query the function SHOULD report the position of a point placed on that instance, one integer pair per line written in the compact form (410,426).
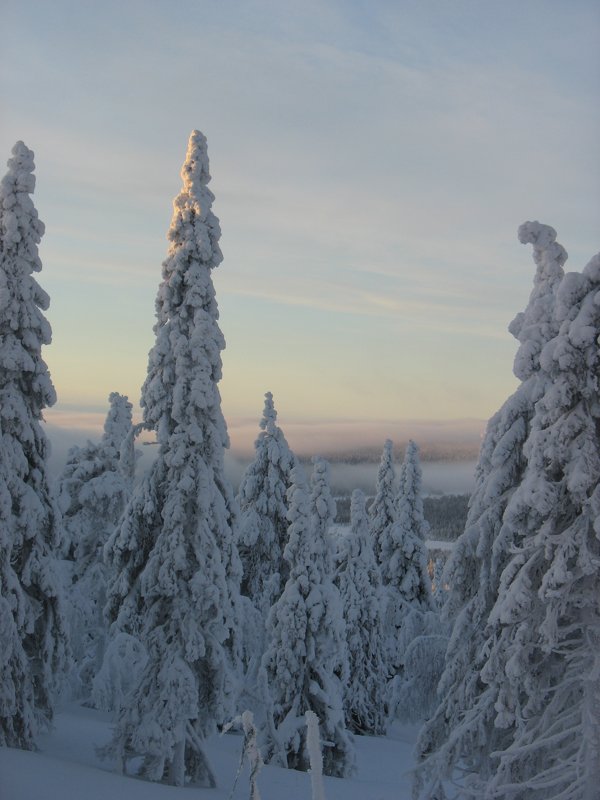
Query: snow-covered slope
(67,768)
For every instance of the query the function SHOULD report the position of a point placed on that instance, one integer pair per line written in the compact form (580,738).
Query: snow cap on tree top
(118,420)
(193,204)
(195,173)
(543,239)
(19,217)
(269,415)
(538,324)
(412,452)
(20,170)
(323,503)
(195,167)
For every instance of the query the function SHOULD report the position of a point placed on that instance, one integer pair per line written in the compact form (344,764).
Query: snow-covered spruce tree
(33,638)
(461,734)
(406,585)
(410,499)
(175,557)
(407,602)
(306,651)
(263,513)
(359,582)
(543,649)
(93,492)
(382,511)
(117,426)
(263,535)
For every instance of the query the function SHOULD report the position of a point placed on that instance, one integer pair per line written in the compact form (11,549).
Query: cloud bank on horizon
(342,440)
(371,164)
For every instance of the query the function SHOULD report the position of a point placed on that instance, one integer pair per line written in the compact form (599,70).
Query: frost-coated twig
(315,756)
(249,749)
(252,751)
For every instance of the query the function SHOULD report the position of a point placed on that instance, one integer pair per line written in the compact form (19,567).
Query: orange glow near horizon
(442,438)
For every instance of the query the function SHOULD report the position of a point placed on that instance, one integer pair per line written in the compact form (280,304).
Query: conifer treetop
(382,511)
(184,366)
(23,327)
(118,420)
(269,418)
(263,511)
(536,325)
(403,555)
(547,251)
(322,507)
(410,501)
(323,503)
(386,474)
(196,199)
(17,207)
(20,178)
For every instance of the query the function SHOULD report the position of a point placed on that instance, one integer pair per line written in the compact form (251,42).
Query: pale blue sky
(371,163)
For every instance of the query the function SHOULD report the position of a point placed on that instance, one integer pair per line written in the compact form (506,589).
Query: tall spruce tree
(359,582)
(305,661)
(175,556)
(382,511)
(33,638)
(263,513)
(543,647)
(457,740)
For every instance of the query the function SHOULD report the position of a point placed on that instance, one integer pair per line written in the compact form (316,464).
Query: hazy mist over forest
(448,449)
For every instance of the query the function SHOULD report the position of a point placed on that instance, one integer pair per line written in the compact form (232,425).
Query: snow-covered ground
(67,768)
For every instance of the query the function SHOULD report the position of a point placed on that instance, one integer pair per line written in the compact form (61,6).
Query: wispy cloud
(369,161)
(346,437)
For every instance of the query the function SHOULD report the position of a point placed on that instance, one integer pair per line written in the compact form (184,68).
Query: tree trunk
(177,771)
(591,720)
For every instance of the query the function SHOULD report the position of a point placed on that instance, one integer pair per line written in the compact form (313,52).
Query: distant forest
(446,514)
